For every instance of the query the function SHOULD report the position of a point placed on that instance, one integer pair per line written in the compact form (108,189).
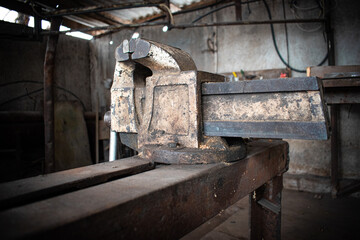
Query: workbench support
(265,210)
(164,203)
(334,150)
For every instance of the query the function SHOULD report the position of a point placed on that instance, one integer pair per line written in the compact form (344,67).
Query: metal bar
(157,204)
(183,26)
(334,150)
(262,86)
(274,108)
(280,130)
(37,188)
(49,68)
(113,146)
(265,211)
(97,129)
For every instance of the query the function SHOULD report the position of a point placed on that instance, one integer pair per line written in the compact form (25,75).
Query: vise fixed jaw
(156,105)
(171,113)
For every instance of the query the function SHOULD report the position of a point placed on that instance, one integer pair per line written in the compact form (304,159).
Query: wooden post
(238,10)
(49,67)
(265,211)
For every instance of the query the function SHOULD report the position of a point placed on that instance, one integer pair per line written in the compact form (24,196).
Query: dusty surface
(304,216)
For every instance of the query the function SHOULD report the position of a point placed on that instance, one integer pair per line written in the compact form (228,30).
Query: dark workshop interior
(180,119)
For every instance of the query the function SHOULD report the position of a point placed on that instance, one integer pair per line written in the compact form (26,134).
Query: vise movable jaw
(156,106)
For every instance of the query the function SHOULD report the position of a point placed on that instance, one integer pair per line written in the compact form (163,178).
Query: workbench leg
(334,150)
(265,211)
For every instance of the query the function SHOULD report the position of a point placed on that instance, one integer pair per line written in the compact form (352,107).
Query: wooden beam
(349,95)
(337,83)
(238,10)
(49,82)
(265,210)
(323,70)
(164,203)
(28,190)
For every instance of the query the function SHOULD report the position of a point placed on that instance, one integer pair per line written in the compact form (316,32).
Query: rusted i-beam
(49,67)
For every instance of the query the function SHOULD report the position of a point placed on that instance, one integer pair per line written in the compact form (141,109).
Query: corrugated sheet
(134,13)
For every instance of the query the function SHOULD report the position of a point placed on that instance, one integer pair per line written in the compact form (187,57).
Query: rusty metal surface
(342,88)
(298,115)
(130,140)
(286,130)
(263,86)
(212,150)
(157,95)
(265,211)
(173,112)
(164,203)
(341,82)
(160,106)
(49,68)
(41,187)
(342,95)
(209,77)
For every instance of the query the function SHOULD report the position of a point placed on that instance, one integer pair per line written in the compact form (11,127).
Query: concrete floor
(304,216)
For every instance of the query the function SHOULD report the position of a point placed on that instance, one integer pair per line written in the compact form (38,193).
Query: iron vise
(170,112)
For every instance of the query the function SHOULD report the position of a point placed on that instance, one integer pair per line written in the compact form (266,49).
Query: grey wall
(24,60)
(251,48)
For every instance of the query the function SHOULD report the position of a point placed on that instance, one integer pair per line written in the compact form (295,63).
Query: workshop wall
(22,140)
(24,61)
(251,48)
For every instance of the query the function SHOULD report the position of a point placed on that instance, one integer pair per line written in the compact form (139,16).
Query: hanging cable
(36,91)
(21,96)
(294,8)
(286,33)
(222,7)
(277,49)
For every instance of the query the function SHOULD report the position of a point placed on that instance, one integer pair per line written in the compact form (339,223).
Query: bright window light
(45,25)
(80,35)
(8,15)
(76,34)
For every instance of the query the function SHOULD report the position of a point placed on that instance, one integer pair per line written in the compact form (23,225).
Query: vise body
(170,112)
